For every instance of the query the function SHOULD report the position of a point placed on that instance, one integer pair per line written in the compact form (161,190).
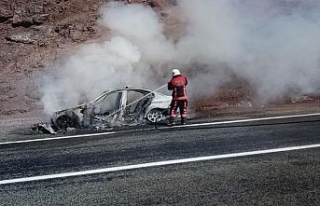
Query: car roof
(128,89)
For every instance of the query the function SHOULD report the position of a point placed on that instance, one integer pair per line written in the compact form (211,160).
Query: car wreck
(112,108)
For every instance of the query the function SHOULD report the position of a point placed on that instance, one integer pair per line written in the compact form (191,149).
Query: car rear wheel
(155,115)
(65,121)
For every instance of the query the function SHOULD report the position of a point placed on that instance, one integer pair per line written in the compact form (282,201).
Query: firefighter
(178,85)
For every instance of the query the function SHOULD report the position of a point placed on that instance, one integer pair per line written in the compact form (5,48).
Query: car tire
(64,121)
(155,115)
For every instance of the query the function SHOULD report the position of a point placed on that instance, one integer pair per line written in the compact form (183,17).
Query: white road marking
(55,138)
(245,120)
(155,164)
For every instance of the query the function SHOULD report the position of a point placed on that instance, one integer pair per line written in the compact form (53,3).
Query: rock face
(33,33)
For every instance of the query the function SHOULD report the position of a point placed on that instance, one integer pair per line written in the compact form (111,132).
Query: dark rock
(64,30)
(20,18)
(6,10)
(29,15)
(4,18)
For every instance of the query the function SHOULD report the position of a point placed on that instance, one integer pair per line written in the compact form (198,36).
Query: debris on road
(43,128)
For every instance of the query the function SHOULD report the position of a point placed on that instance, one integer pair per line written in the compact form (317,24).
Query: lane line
(245,120)
(155,164)
(55,138)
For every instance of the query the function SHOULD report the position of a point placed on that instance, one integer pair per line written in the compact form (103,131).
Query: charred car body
(116,107)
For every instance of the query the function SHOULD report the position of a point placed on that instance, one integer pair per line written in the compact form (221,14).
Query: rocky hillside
(34,34)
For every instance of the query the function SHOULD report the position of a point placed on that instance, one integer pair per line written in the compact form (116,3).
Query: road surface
(272,161)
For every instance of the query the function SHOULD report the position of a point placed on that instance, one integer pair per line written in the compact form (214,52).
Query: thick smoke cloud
(282,52)
(141,26)
(124,60)
(272,44)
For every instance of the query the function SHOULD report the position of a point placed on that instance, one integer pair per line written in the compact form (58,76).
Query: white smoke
(95,68)
(125,60)
(273,44)
(282,52)
(139,24)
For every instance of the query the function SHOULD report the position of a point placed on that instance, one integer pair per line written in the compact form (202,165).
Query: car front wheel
(155,115)
(63,122)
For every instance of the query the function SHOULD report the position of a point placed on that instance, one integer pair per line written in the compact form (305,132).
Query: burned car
(116,107)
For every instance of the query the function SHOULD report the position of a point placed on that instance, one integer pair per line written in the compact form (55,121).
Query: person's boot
(171,122)
(183,120)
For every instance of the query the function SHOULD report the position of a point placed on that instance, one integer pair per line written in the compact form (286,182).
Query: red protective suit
(178,85)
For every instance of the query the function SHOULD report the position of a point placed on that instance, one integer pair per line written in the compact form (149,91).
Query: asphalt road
(247,166)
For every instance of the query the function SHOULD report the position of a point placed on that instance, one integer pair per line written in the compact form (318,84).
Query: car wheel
(155,115)
(64,122)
